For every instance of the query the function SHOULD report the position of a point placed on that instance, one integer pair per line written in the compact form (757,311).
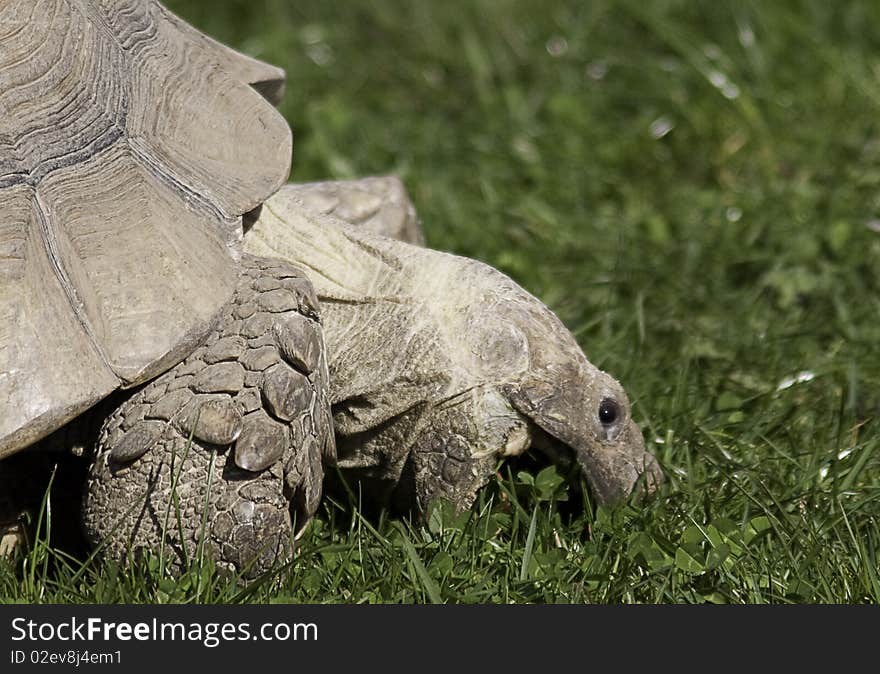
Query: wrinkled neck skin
(406,328)
(424,342)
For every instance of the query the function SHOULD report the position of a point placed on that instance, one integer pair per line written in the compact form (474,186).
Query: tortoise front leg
(223,455)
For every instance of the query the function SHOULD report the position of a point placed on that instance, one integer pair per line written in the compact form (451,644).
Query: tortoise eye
(609,411)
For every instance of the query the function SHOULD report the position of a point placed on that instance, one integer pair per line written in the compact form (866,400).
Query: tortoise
(211,339)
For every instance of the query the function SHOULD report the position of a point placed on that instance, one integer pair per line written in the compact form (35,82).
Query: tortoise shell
(130,147)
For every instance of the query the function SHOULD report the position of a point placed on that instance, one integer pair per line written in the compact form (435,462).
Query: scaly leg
(253,400)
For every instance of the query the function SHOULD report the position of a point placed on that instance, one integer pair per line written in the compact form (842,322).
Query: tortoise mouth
(556,452)
(612,475)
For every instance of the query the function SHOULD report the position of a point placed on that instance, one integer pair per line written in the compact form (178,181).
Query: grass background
(692,187)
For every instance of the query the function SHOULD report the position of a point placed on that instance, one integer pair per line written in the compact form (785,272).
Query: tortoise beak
(616,471)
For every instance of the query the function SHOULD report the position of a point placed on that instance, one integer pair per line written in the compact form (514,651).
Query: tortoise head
(579,411)
(585,412)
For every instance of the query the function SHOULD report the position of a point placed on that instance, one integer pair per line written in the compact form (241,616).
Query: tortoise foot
(222,456)
(12,538)
(24,482)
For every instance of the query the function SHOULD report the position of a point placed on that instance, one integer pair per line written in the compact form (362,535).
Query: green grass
(692,187)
